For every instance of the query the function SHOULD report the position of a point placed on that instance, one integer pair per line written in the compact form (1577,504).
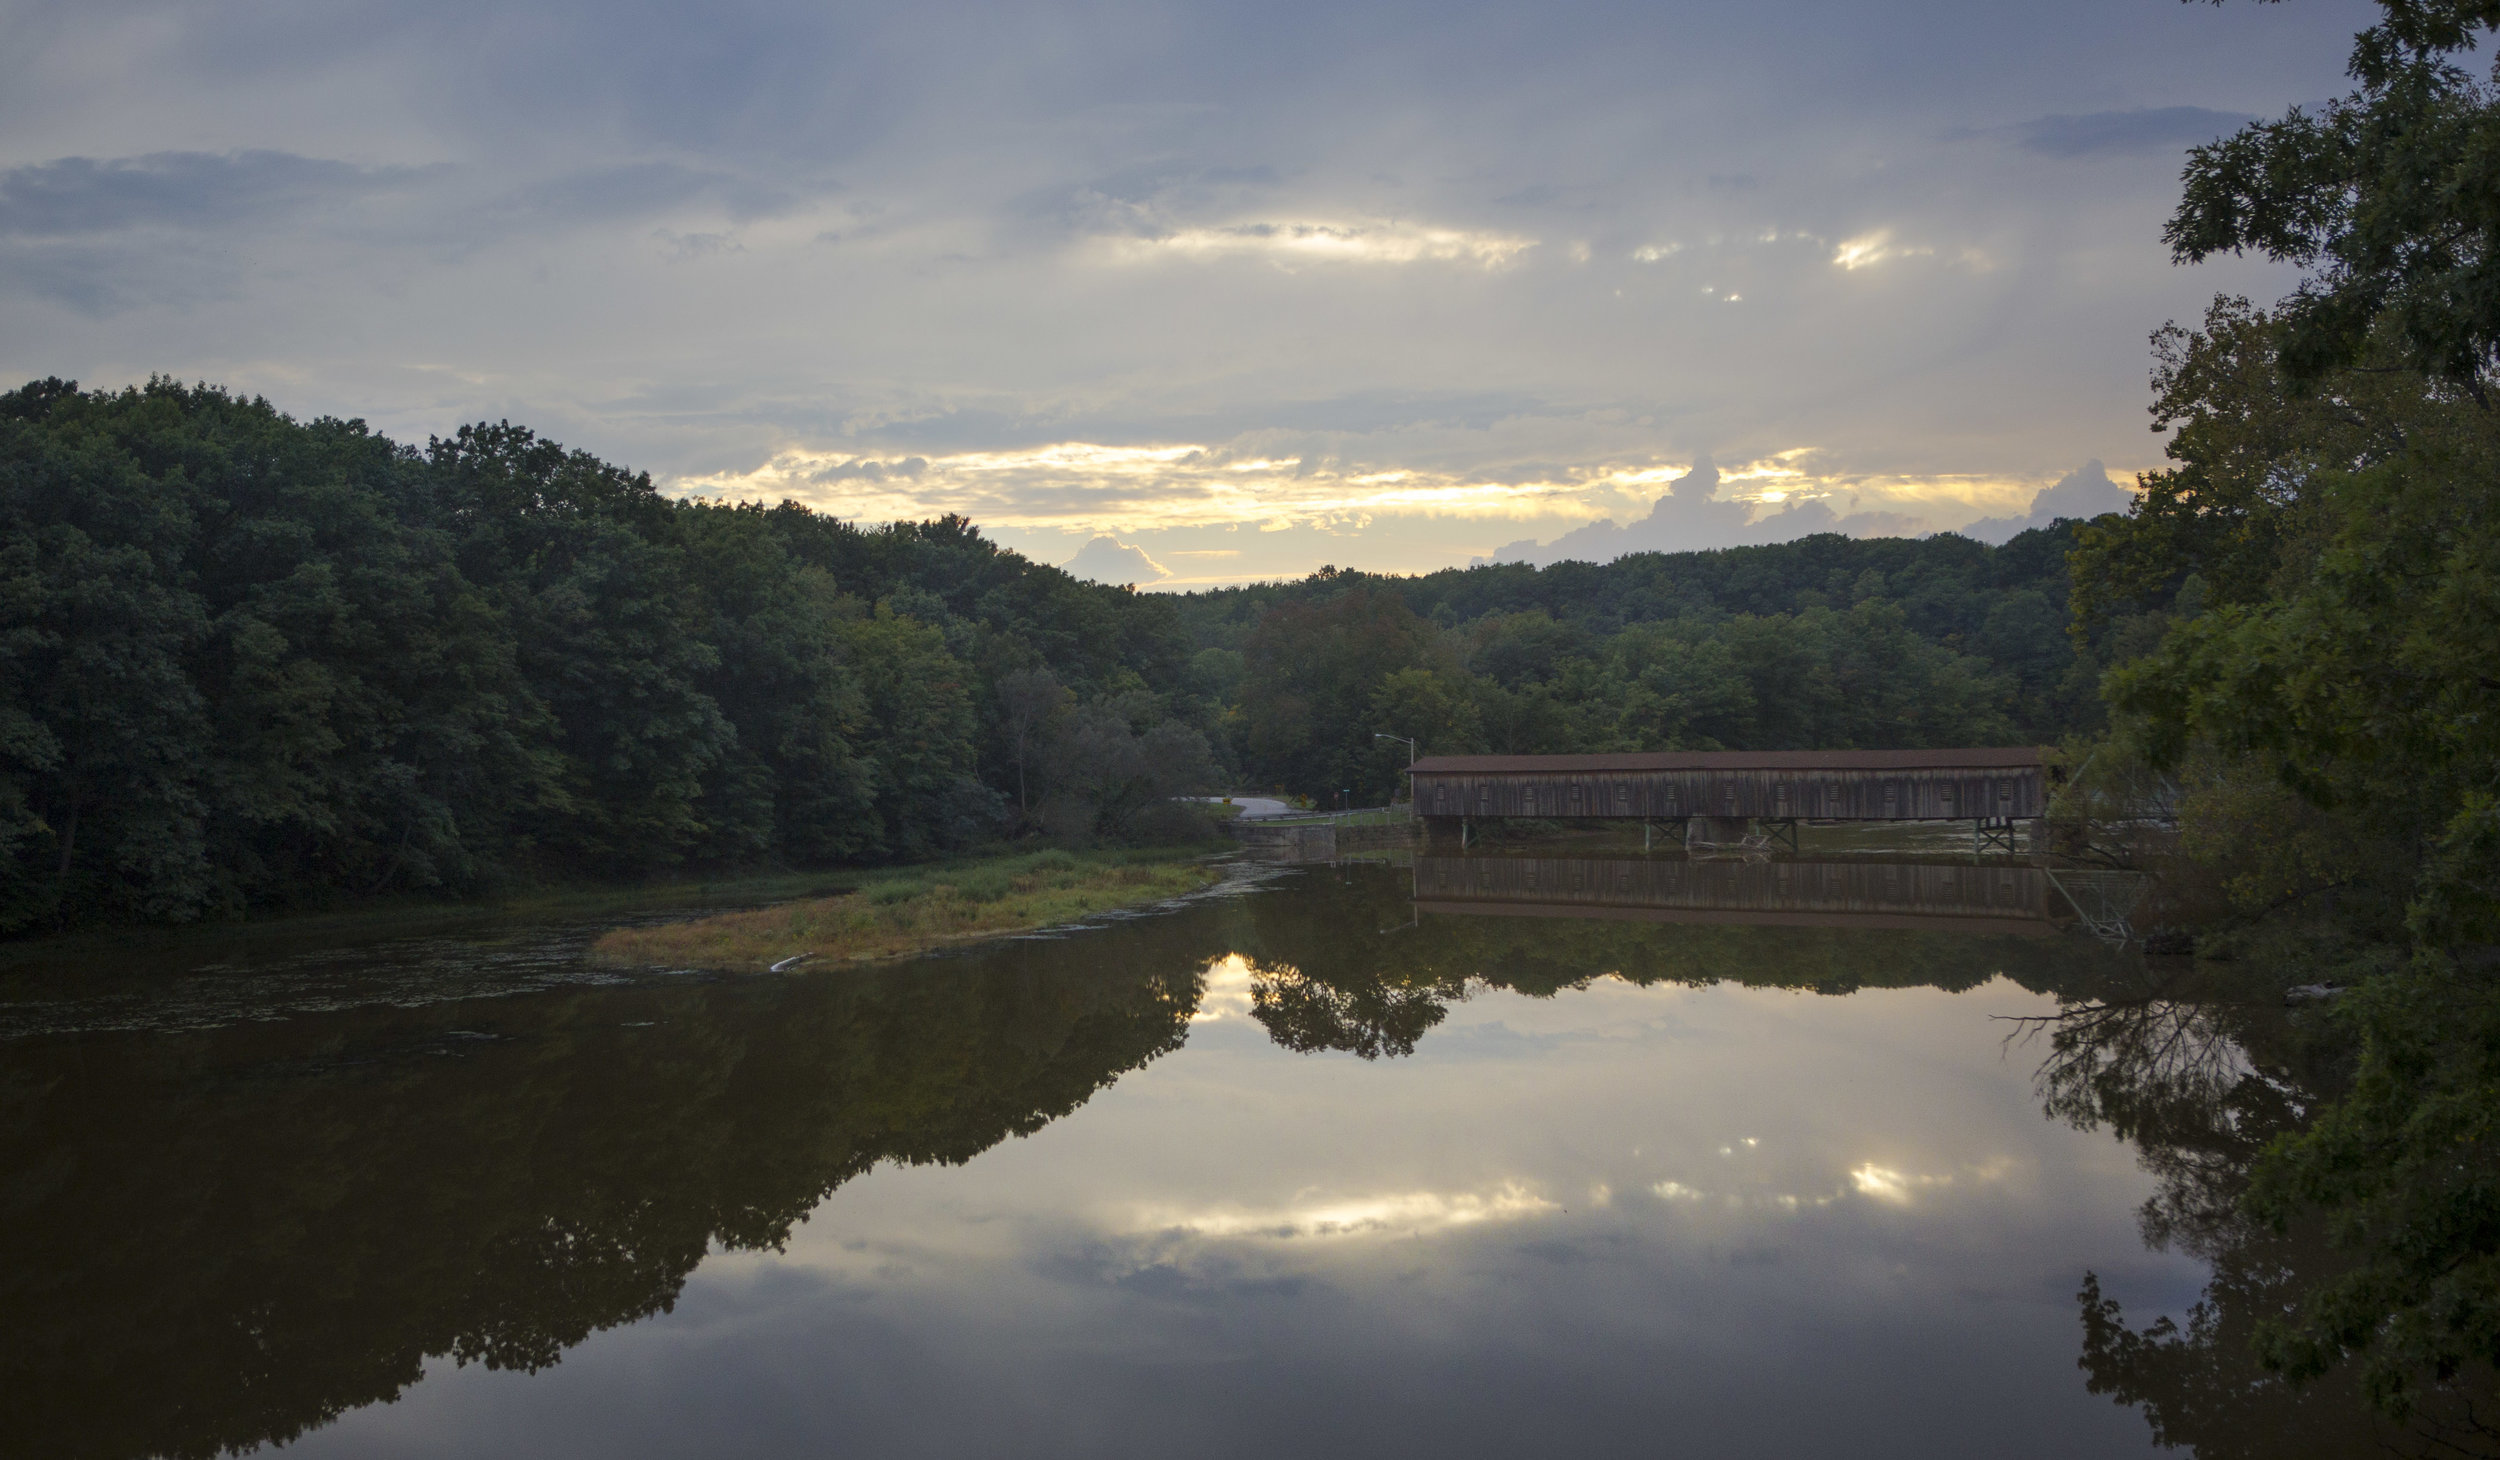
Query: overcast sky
(1250,287)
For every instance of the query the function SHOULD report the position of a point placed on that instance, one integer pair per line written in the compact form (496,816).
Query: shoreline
(907,912)
(416,914)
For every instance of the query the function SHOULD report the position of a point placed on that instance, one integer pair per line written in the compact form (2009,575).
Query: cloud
(2143,129)
(1389,1214)
(1692,516)
(2084,493)
(1868,250)
(1604,508)
(861,469)
(1302,241)
(642,189)
(72,196)
(1106,559)
(1148,199)
(1393,285)
(1135,488)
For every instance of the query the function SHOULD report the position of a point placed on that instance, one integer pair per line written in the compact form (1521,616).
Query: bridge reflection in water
(1864,894)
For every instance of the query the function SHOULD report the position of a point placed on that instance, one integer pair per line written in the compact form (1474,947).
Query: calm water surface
(1332,1163)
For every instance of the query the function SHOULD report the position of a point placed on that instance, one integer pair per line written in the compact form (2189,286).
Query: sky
(1242,289)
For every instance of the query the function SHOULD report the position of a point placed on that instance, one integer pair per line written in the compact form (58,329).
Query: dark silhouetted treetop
(2389,197)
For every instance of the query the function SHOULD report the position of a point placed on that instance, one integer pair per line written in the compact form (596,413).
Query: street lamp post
(1410,763)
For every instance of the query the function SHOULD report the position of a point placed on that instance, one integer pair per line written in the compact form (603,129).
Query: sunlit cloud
(1870,249)
(1885,1184)
(1328,242)
(1870,1180)
(1091,487)
(1859,253)
(1106,559)
(1899,1188)
(1140,488)
(1398,1214)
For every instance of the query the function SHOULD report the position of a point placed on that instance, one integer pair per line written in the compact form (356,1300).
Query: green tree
(2389,198)
(918,698)
(2317,573)
(1313,672)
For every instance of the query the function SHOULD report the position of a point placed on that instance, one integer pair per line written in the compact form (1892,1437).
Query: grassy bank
(913,911)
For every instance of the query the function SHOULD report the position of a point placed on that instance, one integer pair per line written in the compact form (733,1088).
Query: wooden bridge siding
(1832,887)
(1818,795)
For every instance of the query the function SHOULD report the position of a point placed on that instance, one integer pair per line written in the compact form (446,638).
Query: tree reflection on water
(222,1237)
(2199,1069)
(218,1239)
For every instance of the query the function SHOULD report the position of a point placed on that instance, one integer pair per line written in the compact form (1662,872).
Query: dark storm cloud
(86,195)
(2144,129)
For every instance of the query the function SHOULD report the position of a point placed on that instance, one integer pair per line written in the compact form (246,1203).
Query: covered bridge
(1996,785)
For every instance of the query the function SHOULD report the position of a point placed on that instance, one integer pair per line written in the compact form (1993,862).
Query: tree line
(249,662)
(1822,643)
(246,661)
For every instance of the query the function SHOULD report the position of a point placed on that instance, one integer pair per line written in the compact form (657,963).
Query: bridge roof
(2007,757)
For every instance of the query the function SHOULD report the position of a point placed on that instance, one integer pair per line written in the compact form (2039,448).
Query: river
(1325,1162)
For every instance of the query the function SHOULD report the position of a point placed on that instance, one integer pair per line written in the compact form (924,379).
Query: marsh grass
(911,911)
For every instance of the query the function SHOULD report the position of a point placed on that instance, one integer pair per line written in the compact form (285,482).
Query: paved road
(1254,807)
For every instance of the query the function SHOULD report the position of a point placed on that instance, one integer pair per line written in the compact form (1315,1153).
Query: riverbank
(913,911)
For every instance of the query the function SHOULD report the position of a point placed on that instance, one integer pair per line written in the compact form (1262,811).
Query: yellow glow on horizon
(1072,486)
(1393,1214)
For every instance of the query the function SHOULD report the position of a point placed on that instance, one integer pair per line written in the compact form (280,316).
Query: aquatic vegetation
(911,912)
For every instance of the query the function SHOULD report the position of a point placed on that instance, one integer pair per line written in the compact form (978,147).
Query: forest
(249,663)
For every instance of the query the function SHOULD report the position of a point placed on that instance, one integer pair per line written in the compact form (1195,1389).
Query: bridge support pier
(1716,831)
(1992,834)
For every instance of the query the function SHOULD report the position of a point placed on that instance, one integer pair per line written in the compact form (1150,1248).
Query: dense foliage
(246,661)
(2306,605)
(1822,643)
